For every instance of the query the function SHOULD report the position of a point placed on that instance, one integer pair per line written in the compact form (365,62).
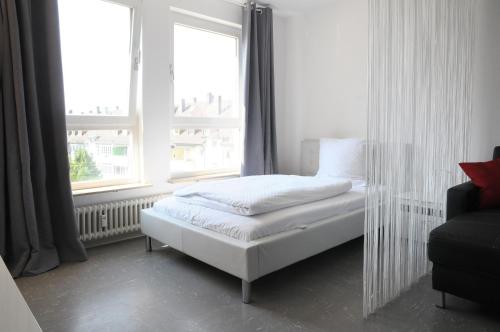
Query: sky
(205,62)
(95,42)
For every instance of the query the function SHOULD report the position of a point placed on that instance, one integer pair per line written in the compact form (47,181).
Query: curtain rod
(245,4)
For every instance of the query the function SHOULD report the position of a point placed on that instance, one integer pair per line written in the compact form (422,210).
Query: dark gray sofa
(465,251)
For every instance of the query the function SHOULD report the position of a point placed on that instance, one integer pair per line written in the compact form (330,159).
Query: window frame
(128,122)
(204,23)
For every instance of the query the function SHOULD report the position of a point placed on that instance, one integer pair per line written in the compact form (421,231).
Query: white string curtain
(420,87)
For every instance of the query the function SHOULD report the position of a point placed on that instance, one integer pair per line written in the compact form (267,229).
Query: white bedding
(254,195)
(249,228)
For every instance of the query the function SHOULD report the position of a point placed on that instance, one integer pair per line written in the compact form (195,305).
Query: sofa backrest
(496,153)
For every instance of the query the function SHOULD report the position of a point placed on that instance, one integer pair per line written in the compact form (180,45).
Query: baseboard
(112,239)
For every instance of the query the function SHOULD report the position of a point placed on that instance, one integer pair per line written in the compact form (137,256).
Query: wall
(156,39)
(280,73)
(336,45)
(290,81)
(326,77)
(325,80)
(485,132)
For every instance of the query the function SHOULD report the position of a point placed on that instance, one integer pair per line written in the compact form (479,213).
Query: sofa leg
(443,301)
(149,248)
(246,291)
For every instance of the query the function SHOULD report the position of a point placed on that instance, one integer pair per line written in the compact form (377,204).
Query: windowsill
(108,189)
(177,180)
(198,178)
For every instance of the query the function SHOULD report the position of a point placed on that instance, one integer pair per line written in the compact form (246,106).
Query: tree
(83,167)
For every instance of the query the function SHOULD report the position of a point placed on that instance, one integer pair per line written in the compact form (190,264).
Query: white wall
(290,83)
(156,87)
(485,132)
(336,45)
(326,78)
(280,74)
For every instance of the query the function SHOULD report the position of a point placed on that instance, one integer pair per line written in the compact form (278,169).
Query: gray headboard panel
(309,161)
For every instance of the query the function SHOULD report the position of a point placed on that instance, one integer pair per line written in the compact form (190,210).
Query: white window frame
(202,22)
(129,122)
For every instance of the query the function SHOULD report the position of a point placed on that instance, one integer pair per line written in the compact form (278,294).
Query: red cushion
(485,175)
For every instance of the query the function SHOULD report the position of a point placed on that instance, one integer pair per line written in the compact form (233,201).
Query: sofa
(465,251)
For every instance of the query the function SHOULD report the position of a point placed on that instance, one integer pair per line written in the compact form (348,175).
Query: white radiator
(101,221)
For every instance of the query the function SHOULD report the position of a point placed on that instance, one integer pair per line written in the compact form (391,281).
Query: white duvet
(253,195)
(250,228)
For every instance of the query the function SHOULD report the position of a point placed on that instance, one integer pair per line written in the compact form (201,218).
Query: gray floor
(123,288)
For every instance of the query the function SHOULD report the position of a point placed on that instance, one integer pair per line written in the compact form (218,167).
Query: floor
(123,288)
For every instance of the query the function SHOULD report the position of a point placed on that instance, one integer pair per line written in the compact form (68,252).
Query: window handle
(137,60)
(172,73)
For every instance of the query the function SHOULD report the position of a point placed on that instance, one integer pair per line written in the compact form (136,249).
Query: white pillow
(342,158)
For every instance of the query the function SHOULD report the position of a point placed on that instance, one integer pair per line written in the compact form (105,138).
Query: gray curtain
(260,155)
(37,222)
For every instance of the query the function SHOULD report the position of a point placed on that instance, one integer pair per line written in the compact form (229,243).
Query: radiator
(101,221)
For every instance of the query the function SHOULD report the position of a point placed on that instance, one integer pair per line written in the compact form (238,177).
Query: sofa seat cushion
(470,241)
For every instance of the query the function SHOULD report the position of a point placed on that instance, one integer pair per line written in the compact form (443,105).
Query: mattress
(250,228)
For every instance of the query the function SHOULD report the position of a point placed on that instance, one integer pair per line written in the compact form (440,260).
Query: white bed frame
(252,260)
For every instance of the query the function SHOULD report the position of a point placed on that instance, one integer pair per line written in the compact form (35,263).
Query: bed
(253,246)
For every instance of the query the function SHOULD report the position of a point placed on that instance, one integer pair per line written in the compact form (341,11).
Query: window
(100,56)
(206,115)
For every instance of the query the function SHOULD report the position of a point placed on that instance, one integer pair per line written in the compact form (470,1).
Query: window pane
(95,41)
(195,150)
(206,73)
(100,154)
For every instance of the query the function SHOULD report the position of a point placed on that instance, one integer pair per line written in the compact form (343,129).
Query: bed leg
(443,301)
(149,248)
(246,291)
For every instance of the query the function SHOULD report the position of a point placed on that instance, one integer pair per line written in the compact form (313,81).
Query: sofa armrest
(496,153)
(461,199)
